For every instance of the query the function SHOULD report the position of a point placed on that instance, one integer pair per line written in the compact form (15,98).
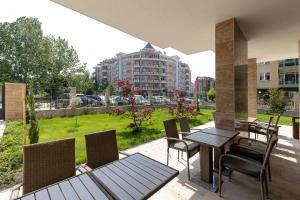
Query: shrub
(138,115)
(277,101)
(211,95)
(182,108)
(11,154)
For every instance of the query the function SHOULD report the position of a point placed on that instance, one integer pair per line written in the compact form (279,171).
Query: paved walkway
(2,127)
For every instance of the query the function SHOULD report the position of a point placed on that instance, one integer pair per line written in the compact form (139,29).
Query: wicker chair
(174,142)
(101,148)
(253,149)
(184,126)
(46,163)
(248,166)
(258,128)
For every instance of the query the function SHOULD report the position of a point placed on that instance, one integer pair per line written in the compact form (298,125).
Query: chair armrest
(179,140)
(123,153)
(250,149)
(184,133)
(83,168)
(197,129)
(251,140)
(15,191)
(239,158)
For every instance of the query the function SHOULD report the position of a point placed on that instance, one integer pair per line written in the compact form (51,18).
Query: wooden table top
(220,132)
(133,177)
(209,139)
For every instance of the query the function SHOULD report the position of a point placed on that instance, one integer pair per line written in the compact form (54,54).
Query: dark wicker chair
(46,163)
(184,126)
(174,142)
(248,166)
(258,128)
(101,148)
(253,149)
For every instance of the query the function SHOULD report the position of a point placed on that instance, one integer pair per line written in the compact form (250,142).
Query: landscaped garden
(60,128)
(66,127)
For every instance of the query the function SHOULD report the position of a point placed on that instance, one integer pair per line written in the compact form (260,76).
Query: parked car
(118,101)
(141,100)
(97,99)
(157,99)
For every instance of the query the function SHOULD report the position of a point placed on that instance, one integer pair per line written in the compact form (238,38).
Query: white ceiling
(271,26)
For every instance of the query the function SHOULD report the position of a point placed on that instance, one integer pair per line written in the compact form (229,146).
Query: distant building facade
(283,74)
(202,85)
(150,70)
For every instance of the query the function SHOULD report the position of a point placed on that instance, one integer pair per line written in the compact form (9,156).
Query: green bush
(11,154)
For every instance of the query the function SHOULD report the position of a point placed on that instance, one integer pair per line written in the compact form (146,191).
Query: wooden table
(210,138)
(133,177)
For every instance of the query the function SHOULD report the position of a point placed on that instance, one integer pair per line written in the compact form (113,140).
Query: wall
(46,114)
(231,58)
(14,101)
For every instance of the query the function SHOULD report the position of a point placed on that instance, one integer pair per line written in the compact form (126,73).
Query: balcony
(288,84)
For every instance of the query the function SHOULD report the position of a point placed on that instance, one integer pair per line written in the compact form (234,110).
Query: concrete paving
(285,169)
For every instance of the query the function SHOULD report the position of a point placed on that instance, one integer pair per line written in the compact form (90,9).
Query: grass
(60,128)
(284,120)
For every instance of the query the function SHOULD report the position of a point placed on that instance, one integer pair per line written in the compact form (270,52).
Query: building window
(265,76)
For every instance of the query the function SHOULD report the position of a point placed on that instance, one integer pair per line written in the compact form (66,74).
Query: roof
(271,27)
(148,46)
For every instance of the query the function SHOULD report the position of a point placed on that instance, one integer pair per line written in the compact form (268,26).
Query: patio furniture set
(49,170)
(250,157)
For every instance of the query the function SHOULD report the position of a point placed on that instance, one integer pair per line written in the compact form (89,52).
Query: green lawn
(284,120)
(59,128)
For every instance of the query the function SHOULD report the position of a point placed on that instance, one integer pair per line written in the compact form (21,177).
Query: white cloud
(93,41)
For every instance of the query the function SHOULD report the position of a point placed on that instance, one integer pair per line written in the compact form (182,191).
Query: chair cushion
(247,151)
(242,166)
(192,146)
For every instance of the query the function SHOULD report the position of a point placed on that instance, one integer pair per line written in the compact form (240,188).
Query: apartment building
(202,86)
(283,74)
(150,70)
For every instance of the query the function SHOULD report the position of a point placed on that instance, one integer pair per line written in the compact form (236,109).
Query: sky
(93,40)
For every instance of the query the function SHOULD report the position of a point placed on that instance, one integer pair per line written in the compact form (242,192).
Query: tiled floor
(285,166)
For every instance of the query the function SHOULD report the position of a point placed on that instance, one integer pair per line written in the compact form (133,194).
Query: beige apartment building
(283,74)
(150,70)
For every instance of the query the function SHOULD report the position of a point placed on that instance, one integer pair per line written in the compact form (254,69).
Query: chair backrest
(171,129)
(101,148)
(48,163)
(184,124)
(273,140)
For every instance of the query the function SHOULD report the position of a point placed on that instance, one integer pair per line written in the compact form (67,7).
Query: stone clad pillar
(231,48)
(252,87)
(14,101)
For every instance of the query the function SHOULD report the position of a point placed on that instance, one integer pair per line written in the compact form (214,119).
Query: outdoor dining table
(210,138)
(134,177)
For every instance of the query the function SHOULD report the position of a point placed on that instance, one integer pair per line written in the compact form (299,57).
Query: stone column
(231,64)
(14,101)
(252,87)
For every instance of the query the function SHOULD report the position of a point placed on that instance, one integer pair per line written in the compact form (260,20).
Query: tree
(81,81)
(27,55)
(276,101)
(211,95)
(34,124)
(138,115)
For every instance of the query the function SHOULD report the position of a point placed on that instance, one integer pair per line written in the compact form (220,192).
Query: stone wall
(14,101)
(46,114)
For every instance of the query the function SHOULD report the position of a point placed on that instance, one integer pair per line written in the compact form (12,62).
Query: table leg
(206,164)
(217,154)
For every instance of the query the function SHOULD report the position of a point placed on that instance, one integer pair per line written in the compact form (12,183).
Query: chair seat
(242,166)
(247,151)
(192,146)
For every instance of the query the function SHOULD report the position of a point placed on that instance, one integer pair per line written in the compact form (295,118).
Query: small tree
(276,101)
(211,95)
(34,124)
(74,104)
(138,115)
(182,108)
